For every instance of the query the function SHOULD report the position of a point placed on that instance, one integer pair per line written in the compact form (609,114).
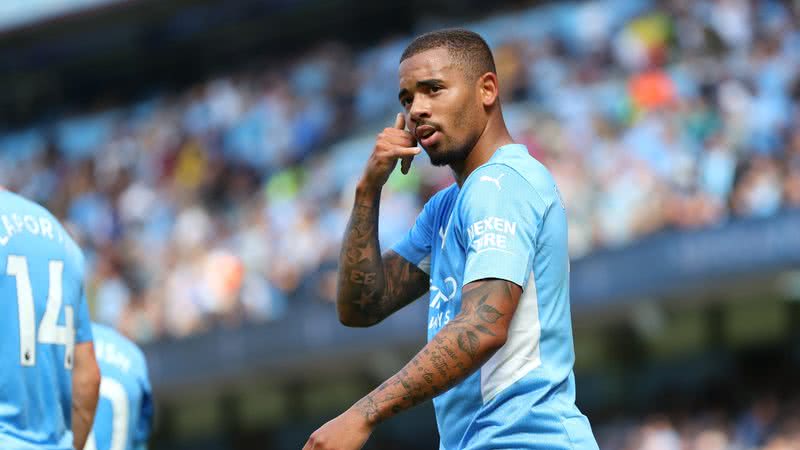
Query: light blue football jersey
(125,410)
(43,313)
(507,221)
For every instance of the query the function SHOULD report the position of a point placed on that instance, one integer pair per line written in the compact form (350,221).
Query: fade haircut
(467,48)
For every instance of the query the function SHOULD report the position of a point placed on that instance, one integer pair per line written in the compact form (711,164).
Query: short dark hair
(467,47)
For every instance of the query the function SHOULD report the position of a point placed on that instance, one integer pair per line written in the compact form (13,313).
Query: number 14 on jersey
(49,331)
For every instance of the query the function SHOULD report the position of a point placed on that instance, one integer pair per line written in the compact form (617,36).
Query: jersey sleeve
(81,321)
(415,247)
(144,422)
(498,225)
(83,325)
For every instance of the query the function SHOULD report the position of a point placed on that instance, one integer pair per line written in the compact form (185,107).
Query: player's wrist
(366,419)
(368,188)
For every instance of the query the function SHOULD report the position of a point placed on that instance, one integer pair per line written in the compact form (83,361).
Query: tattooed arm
(458,350)
(372,287)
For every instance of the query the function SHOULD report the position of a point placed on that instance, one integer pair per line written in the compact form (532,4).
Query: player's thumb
(400,124)
(400,121)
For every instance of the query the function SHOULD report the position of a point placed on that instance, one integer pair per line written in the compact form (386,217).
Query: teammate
(491,251)
(125,411)
(49,378)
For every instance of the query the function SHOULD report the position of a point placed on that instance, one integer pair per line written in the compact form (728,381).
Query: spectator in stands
(676,115)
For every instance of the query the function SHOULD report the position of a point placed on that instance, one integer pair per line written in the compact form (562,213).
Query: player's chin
(439,158)
(443,157)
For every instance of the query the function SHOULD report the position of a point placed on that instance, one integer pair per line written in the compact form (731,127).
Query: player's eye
(435,89)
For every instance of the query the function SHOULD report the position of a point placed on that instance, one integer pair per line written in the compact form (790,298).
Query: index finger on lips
(402,140)
(403,152)
(392,132)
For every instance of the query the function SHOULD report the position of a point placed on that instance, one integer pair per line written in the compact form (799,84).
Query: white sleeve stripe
(520,354)
(425,264)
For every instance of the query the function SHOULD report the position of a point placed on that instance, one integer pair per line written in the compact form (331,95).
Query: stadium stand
(194,185)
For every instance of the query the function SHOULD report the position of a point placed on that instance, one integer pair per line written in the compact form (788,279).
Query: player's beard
(449,152)
(445,157)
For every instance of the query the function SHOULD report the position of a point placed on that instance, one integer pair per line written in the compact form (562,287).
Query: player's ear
(489,91)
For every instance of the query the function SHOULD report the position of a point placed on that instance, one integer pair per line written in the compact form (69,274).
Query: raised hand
(393,144)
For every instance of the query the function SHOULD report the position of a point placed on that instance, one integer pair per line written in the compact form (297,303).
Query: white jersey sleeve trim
(520,354)
(425,264)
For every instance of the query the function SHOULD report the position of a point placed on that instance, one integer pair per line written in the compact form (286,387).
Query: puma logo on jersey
(496,181)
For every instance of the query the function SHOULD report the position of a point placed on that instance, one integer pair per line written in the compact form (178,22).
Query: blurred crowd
(769,423)
(226,203)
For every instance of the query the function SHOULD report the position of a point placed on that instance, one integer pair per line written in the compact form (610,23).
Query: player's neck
(494,136)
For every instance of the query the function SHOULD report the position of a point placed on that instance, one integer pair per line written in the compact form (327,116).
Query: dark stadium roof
(112,52)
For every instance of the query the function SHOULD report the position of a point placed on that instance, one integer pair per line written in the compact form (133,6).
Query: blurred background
(204,154)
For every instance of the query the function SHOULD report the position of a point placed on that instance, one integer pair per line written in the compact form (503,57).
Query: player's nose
(419,111)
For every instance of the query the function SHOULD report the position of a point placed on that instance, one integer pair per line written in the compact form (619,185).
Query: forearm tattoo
(372,287)
(459,349)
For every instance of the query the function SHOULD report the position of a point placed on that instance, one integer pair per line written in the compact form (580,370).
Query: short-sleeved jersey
(125,410)
(43,313)
(507,221)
